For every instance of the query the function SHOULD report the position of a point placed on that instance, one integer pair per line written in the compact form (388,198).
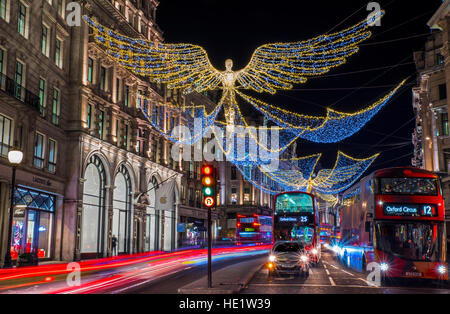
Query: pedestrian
(114,245)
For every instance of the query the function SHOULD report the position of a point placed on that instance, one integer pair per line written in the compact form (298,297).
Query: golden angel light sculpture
(272,67)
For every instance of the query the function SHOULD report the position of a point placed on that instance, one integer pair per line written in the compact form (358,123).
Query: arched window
(121,226)
(93,206)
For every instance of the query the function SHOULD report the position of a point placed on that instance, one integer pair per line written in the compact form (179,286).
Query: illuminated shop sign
(425,210)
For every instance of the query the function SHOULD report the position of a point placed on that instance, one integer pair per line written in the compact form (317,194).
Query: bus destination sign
(297,219)
(421,210)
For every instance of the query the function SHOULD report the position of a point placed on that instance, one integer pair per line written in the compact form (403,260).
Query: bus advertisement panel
(296,219)
(395,217)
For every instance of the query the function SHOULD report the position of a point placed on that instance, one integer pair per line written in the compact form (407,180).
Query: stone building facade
(431,137)
(94,168)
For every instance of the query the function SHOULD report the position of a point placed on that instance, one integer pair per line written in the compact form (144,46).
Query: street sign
(209,201)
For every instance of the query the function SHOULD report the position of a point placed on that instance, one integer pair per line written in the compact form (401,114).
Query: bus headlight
(442,269)
(314,251)
(304,258)
(272,258)
(384,266)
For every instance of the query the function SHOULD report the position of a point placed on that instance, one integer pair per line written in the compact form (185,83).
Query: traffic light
(209,185)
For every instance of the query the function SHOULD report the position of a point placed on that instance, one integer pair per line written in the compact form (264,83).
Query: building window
(42,96)
(125,137)
(22,20)
(103,78)
(92,218)
(52,156)
(18,79)
(127,96)
(233,196)
(101,118)
(191,169)
(60,9)
(33,224)
(122,216)
(117,89)
(39,151)
(233,173)
(56,107)
(89,116)
(138,147)
(246,195)
(444,123)
(442,91)
(440,59)
(2,61)
(139,99)
(117,131)
(90,69)
(5,135)
(3,7)
(58,52)
(44,40)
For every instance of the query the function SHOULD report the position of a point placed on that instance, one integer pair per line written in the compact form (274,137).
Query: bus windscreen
(408,186)
(294,203)
(294,218)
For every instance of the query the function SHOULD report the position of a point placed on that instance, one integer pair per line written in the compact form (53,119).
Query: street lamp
(15,157)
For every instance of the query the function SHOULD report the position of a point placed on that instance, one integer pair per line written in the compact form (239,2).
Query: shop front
(33,223)
(195,231)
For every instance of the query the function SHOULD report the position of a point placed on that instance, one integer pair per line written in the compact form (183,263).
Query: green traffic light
(208,191)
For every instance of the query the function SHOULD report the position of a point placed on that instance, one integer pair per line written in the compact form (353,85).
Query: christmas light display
(272,67)
(190,123)
(327,181)
(332,128)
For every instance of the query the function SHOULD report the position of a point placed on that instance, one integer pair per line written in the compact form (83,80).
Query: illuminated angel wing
(182,66)
(279,65)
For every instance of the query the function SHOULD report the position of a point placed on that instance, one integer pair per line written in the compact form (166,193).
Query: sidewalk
(228,280)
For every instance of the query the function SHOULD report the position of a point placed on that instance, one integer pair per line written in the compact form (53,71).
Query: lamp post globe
(15,157)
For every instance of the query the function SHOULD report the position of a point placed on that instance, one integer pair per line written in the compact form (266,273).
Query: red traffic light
(207,170)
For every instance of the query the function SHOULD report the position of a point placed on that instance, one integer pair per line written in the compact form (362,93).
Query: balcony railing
(19,92)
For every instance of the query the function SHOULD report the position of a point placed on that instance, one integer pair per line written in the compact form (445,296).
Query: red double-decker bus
(395,217)
(253,229)
(296,218)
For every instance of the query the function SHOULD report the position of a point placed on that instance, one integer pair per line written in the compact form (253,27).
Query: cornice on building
(441,13)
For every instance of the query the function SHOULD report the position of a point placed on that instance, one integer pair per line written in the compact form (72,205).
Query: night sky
(235,28)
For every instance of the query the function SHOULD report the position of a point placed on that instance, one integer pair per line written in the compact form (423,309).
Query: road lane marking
(304,285)
(340,269)
(332,281)
(333,266)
